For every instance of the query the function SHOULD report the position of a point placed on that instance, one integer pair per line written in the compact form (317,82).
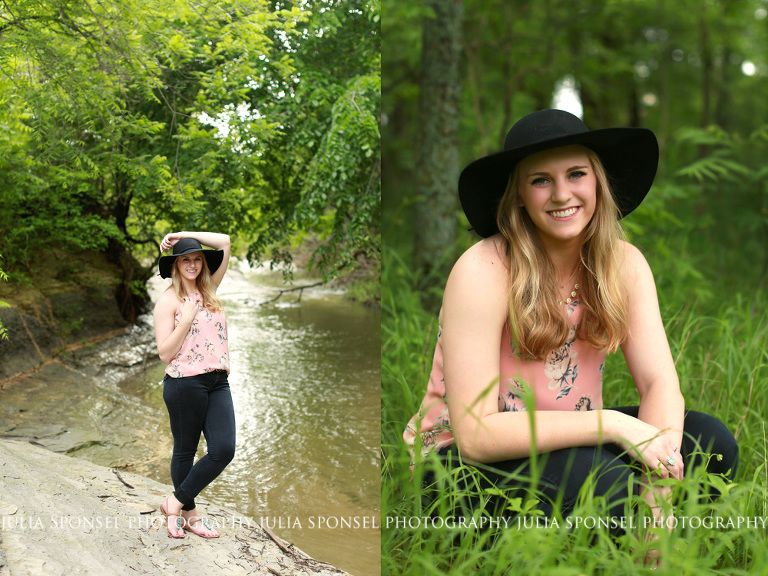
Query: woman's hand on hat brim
(170,241)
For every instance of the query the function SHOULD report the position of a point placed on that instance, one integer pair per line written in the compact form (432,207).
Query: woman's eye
(539,181)
(577,174)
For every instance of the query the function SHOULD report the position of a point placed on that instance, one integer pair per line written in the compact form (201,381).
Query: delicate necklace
(572,296)
(573,292)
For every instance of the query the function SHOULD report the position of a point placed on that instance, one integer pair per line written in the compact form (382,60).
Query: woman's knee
(183,453)
(725,451)
(229,453)
(222,452)
(708,434)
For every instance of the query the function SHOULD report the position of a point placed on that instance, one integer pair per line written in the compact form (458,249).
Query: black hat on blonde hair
(630,157)
(184,246)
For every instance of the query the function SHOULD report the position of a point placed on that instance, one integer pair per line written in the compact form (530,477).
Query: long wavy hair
(204,286)
(538,322)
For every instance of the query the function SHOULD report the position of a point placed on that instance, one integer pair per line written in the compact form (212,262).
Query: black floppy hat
(630,157)
(184,246)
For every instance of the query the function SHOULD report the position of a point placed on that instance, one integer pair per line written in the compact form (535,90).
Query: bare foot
(171,509)
(195,523)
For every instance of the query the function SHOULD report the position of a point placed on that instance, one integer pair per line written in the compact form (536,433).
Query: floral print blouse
(569,378)
(204,348)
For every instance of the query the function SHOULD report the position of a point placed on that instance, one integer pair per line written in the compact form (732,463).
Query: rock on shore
(62,515)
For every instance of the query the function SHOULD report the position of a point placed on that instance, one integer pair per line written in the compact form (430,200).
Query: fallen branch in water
(299,288)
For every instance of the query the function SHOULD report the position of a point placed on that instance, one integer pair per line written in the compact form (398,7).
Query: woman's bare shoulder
(485,257)
(480,275)
(634,258)
(635,268)
(166,301)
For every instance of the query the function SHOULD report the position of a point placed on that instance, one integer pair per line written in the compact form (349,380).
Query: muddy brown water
(305,382)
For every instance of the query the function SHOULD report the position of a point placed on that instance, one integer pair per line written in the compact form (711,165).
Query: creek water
(305,381)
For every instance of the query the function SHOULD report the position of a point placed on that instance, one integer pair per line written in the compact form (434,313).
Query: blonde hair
(204,284)
(538,322)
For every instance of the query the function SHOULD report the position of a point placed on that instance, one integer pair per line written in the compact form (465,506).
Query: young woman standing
(191,334)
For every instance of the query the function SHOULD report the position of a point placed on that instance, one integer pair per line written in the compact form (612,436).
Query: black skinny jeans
(198,404)
(562,473)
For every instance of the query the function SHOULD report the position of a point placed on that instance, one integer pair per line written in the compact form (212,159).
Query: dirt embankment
(42,330)
(62,304)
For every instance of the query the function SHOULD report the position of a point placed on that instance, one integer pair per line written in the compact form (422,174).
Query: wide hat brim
(213,258)
(630,157)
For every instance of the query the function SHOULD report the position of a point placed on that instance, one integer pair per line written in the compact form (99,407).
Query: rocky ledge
(62,515)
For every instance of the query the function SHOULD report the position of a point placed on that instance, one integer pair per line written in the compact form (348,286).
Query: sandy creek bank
(62,515)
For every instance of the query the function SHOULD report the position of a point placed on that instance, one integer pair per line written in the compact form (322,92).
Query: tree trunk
(437,154)
(723,99)
(707,66)
(131,294)
(665,92)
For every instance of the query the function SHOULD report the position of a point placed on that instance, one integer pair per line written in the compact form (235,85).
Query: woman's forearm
(213,239)
(509,435)
(663,406)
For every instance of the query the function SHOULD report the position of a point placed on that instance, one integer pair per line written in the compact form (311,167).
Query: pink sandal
(179,532)
(194,520)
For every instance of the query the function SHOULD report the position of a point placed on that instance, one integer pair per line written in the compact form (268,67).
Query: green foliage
(345,174)
(720,163)
(113,114)
(330,163)
(126,120)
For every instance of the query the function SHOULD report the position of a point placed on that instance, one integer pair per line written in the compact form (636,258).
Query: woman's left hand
(655,449)
(662,456)
(169,241)
(670,461)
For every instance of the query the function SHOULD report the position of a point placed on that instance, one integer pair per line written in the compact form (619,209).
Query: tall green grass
(722,362)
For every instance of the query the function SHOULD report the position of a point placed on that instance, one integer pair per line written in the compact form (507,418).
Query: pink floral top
(204,348)
(570,378)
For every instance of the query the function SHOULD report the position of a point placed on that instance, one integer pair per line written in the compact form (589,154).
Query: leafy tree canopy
(126,119)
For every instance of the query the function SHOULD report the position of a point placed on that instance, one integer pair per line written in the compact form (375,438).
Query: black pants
(561,474)
(199,404)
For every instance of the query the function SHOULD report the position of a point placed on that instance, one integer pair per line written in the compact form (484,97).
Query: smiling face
(558,189)
(190,265)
